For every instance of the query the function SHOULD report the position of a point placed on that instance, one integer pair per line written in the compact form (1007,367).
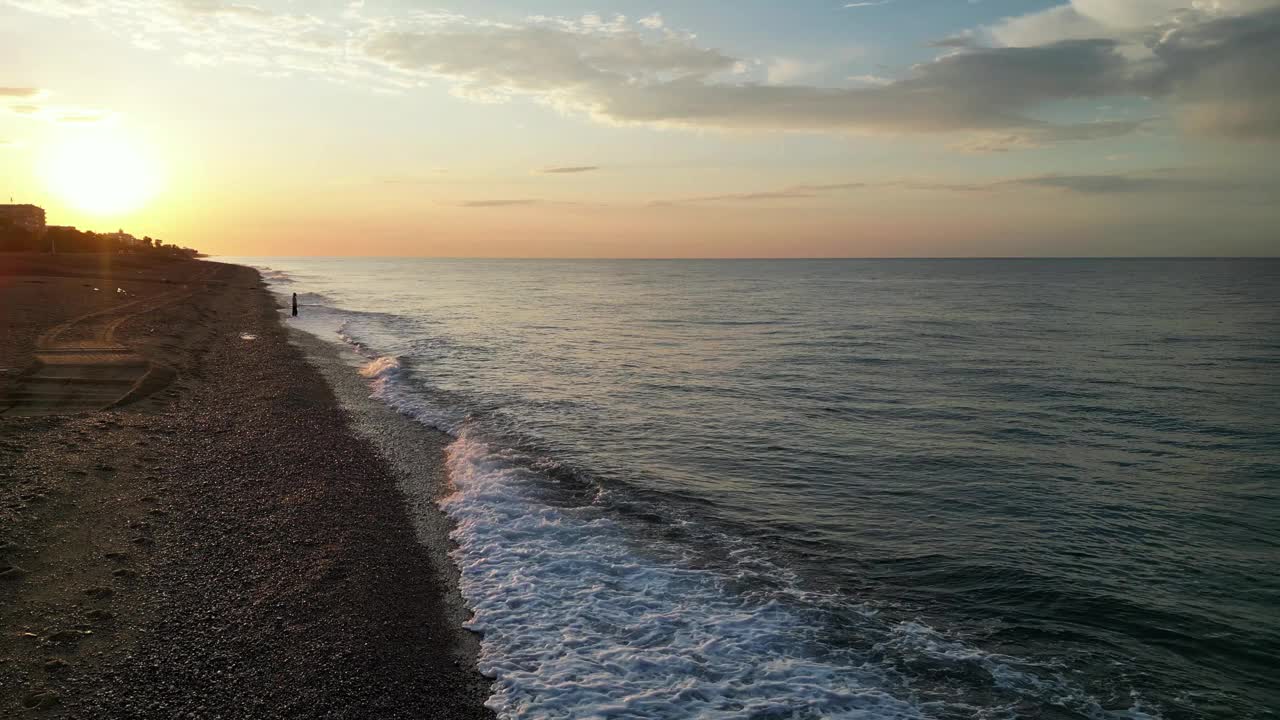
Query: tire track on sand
(80,367)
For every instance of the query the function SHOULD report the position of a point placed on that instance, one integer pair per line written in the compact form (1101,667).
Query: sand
(225,540)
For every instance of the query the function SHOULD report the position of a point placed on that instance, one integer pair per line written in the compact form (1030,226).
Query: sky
(700,128)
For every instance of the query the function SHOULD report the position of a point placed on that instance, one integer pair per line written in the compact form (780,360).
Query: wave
(577,622)
(381,371)
(580,615)
(275,277)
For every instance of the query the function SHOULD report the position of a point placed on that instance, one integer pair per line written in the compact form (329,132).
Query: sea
(844,488)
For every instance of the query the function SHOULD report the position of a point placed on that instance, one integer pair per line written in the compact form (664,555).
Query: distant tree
(15,238)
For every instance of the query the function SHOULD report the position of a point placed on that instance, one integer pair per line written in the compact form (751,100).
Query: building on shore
(21,228)
(25,217)
(125,241)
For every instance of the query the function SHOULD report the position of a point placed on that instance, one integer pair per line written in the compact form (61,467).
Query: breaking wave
(581,616)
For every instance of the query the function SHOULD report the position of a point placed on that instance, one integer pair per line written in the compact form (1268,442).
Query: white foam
(381,369)
(274,277)
(579,623)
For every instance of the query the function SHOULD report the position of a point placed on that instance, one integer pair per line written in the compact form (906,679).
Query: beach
(225,542)
(470,488)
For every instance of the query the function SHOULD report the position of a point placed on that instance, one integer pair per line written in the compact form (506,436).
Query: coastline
(415,454)
(239,543)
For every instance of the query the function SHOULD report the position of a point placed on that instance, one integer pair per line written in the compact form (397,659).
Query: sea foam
(578,622)
(579,619)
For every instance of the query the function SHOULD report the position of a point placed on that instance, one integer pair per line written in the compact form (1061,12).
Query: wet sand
(227,541)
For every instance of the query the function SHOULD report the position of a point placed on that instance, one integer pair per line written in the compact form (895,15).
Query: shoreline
(415,453)
(235,544)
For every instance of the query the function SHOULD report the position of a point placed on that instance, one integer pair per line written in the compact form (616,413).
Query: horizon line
(757,259)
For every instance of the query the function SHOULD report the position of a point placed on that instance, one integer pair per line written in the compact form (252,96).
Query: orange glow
(101,172)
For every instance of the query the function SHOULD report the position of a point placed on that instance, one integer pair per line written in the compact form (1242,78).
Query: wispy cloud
(27,102)
(870,80)
(62,114)
(20,93)
(569,170)
(1151,181)
(867,4)
(765,196)
(499,203)
(1124,184)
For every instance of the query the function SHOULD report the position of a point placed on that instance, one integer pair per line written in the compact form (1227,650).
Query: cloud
(499,203)
(1213,64)
(795,192)
(1214,60)
(20,93)
(964,40)
(623,78)
(1223,75)
(540,58)
(1152,181)
(62,114)
(570,170)
(57,8)
(27,102)
(766,196)
(652,22)
(1134,20)
(786,70)
(867,4)
(1049,26)
(1118,184)
(1026,138)
(830,187)
(870,80)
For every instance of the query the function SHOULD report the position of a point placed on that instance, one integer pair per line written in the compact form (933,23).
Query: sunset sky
(755,128)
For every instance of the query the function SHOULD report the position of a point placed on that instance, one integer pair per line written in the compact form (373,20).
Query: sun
(101,172)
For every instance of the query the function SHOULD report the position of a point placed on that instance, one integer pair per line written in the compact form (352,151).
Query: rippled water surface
(945,489)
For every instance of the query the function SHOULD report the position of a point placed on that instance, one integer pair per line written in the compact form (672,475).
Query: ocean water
(845,489)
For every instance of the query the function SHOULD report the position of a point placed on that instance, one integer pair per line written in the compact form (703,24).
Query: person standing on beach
(295,304)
